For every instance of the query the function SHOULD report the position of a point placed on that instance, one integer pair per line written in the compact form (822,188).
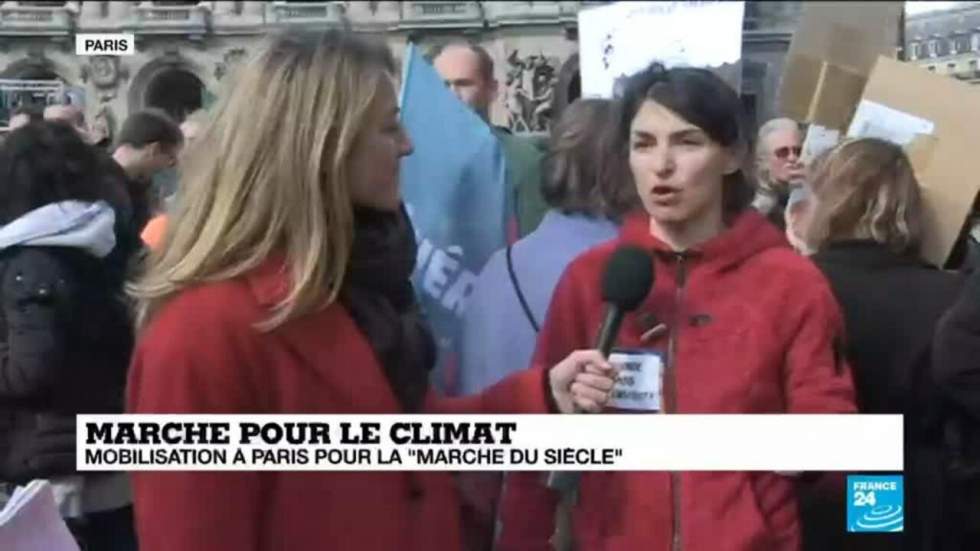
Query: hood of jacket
(74,224)
(749,235)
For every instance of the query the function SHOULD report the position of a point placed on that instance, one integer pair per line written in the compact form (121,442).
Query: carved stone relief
(530,91)
(106,73)
(231,57)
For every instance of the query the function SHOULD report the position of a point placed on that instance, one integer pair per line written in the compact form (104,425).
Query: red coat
(201,355)
(755,327)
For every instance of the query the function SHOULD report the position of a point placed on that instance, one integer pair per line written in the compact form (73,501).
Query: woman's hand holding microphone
(582,382)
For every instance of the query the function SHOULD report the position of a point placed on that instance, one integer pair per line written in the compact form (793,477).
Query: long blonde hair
(866,189)
(269,174)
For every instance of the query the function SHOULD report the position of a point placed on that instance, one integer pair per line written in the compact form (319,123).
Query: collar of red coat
(269,281)
(749,234)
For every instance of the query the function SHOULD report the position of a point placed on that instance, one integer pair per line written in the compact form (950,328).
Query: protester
(190,129)
(147,149)
(511,295)
(468,69)
(865,226)
(285,288)
(778,167)
(24,115)
(795,218)
(65,333)
(746,326)
(193,126)
(957,375)
(73,115)
(798,206)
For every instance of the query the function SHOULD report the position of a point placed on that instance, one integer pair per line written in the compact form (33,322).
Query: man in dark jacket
(146,150)
(956,368)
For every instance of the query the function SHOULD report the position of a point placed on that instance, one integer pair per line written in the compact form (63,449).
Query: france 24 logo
(875,503)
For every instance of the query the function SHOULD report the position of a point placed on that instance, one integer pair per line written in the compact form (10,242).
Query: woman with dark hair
(864,222)
(65,332)
(738,321)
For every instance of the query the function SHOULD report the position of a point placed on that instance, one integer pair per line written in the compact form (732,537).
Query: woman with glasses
(778,167)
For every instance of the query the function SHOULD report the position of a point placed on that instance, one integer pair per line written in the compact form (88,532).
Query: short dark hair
(485,60)
(148,126)
(578,178)
(701,98)
(34,113)
(47,162)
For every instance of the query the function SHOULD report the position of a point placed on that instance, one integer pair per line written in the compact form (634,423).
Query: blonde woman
(283,286)
(865,224)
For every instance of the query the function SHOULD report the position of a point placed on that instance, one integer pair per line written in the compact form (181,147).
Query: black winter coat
(956,368)
(65,345)
(892,305)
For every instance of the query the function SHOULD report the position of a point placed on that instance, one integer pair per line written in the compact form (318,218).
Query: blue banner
(454,188)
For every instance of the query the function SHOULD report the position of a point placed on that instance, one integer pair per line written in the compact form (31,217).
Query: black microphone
(626,281)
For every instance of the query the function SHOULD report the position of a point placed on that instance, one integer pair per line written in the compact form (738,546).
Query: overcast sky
(919,7)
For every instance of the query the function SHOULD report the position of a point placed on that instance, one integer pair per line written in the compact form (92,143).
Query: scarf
(378,294)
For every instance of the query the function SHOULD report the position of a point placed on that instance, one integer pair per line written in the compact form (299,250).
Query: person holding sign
(865,226)
(736,322)
(284,287)
(778,167)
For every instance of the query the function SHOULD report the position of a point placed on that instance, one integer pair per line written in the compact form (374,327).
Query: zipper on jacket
(680,261)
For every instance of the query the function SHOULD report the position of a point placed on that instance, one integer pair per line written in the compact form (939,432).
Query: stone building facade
(184,49)
(946,42)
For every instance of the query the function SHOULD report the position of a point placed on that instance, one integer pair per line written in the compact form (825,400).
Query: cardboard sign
(832,52)
(912,106)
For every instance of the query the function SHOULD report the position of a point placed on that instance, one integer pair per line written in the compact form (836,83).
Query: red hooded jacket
(752,327)
(203,354)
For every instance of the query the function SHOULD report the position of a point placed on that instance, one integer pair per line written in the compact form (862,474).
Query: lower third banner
(629,442)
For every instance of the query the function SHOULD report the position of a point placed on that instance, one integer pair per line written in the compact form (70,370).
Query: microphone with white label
(626,281)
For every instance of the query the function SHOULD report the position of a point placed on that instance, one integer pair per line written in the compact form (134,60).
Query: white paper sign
(638,385)
(618,40)
(874,120)
(818,139)
(30,521)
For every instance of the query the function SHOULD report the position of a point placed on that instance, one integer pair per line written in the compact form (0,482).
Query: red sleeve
(527,505)
(525,391)
(191,361)
(817,377)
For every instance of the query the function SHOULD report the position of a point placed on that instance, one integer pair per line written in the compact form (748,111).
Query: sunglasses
(783,152)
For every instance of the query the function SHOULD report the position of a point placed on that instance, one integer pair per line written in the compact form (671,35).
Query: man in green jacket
(468,71)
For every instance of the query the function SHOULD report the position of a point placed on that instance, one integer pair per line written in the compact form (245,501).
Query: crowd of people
(274,276)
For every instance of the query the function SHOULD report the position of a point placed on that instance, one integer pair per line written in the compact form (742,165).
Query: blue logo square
(875,503)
